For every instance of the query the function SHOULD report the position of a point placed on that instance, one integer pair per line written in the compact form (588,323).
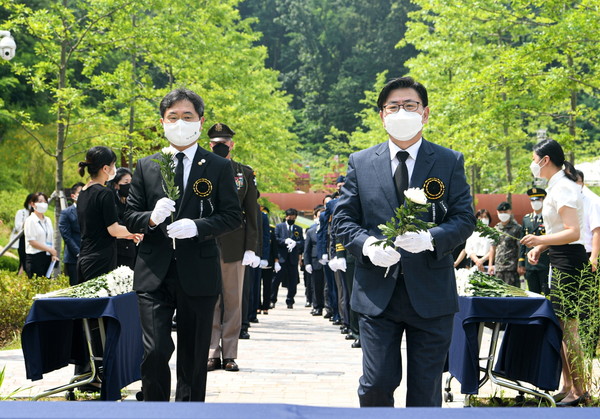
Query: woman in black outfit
(126,249)
(563,220)
(98,218)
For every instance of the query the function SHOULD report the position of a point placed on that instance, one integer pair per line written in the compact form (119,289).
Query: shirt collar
(189,152)
(555,178)
(413,150)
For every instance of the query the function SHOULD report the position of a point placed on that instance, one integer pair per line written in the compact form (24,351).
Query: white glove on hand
(290,243)
(277,267)
(415,242)
(380,256)
(308,268)
(324,259)
(163,208)
(333,264)
(250,259)
(341,264)
(264,263)
(182,229)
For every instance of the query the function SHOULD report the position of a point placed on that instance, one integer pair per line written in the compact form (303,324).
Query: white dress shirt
(477,245)
(38,230)
(189,153)
(562,192)
(591,216)
(413,151)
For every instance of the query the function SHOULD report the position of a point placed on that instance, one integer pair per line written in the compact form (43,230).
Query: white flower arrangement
(416,195)
(463,276)
(167,150)
(116,282)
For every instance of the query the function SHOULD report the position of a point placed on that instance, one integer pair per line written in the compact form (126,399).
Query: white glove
(250,259)
(277,267)
(333,264)
(290,244)
(380,256)
(264,264)
(341,264)
(415,242)
(182,229)
(324,259)
(308,268)
(163,208)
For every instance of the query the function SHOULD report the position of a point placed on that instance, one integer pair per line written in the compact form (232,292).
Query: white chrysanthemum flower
(416,195)
(168,150)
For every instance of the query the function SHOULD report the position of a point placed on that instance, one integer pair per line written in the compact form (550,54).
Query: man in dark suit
(312,265)
(69,230)
(178,261)
(238,250)
(290,245)
(533,223)
(418,294)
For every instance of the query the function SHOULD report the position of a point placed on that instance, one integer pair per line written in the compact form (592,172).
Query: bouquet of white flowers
(118,281)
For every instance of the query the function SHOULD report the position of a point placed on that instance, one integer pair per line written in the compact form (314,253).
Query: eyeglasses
(409,106)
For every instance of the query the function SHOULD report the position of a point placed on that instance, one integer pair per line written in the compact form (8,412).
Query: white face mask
(485,221)
(535,169)
(182,133)
(402,125)
(504,217)
(112,175)
(41,207)
(536,205)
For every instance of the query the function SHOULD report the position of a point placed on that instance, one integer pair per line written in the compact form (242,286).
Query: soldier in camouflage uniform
(506,250)
(533,223)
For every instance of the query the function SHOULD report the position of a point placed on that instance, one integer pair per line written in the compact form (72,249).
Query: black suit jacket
(281,233)
(311,255)
(210,200)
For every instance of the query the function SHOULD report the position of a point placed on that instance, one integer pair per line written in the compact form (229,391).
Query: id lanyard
(45,228)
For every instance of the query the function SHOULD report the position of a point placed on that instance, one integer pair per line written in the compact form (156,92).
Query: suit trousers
(318,285)
(246,289)
(194,317)
(343,297)
(537,280)
(289,276)
(308,289)
(71,271)
(227,318)
(427,344)
(331,294)
(267,280)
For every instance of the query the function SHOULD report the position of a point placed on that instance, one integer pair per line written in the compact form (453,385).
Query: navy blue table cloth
(52,338)
(530,349)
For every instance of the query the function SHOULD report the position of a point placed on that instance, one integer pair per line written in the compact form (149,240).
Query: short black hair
(178,95)
(75,186)
(291,211)
(485,212)
(402,83)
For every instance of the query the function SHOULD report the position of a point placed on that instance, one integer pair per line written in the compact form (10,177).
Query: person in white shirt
(563,217)
(591,221)
(39,242)
(478,248)
(18,227)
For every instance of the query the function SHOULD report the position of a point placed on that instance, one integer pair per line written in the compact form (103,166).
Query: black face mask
(291,222)
(221,149)
(124,190)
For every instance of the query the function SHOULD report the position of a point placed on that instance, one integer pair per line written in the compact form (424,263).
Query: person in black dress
(126,249)
(98,216)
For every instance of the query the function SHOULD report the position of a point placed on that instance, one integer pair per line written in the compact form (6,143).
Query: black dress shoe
(307,304)
(350,336)
(272,305)
(290,306)
(582,400)
(253,320)
(345,330)
(265,312)
(337,322)
(213,364)
(317,312)
(244,334)
(230,365)
(328,315)
(356,343)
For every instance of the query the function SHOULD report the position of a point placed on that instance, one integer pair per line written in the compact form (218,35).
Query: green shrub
(10,203)
(9,264)
(17,292)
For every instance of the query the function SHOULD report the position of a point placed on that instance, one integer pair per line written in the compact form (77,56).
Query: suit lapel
(382,166)
(196,172)
(423,165)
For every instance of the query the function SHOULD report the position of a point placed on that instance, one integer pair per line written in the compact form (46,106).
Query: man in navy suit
(290,245)
(418,294)
(69,230)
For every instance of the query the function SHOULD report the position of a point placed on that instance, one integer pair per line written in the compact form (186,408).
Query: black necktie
(401,175)
(179,174)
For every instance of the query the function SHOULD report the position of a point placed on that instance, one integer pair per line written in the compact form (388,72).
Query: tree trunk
(572,121)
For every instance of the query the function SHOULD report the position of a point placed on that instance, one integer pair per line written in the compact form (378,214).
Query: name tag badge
(239,181)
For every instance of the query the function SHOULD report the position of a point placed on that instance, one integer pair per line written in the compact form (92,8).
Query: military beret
(504,206)
(536,193)
(218,131)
